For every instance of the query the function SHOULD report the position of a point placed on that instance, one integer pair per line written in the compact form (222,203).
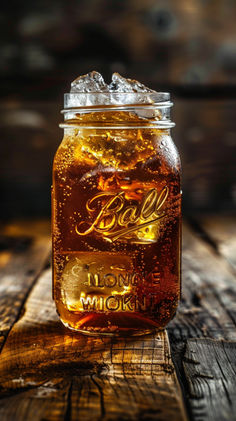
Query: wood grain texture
(127,379)
(22,257)
(210,368)
(208,305)
(47,402)
(222,230)
(208,294)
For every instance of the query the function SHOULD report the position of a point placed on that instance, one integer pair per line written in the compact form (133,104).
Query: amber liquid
(116,230)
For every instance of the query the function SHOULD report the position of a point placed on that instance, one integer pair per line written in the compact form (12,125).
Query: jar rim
(118,107)
(98,99)
(99,102)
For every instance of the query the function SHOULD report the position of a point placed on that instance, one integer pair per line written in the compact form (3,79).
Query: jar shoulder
(157,153)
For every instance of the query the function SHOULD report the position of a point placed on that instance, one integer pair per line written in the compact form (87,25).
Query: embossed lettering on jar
(116,214)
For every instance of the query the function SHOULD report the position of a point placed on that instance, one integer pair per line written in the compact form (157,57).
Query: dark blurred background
(187,47)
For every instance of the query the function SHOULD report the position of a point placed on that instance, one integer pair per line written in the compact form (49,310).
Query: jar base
(124,324)
(117,333)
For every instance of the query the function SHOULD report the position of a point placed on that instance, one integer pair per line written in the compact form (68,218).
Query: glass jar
(116,215)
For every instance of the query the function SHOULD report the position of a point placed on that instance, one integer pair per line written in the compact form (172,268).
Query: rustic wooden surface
(210,371)
(188,371)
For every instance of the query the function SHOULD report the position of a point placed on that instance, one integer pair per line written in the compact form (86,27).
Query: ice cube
(92,82)
(136,93)
(88,90)
(91,90)
(121,84)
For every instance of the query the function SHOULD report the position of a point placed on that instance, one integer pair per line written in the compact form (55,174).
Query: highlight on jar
(116,209)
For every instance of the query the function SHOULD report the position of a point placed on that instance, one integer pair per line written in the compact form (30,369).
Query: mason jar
(116,215)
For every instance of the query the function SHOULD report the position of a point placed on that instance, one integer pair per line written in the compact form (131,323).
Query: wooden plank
(208,305)
(25,251)
(207,282)
(131,378)
(210,368)
(222,230)
(46,402)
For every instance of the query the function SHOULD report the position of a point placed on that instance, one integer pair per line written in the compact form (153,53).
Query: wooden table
(48,373)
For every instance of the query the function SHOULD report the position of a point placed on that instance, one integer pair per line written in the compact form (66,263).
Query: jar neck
(98,111)
(71,132)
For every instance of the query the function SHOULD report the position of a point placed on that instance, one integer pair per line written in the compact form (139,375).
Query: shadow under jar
(116,217)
